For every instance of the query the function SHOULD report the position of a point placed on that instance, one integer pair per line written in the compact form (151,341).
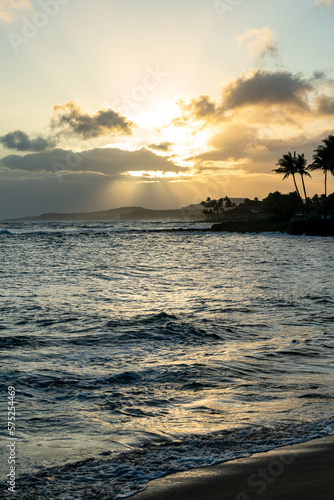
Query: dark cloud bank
(20,141)
(63,181)
(110,162)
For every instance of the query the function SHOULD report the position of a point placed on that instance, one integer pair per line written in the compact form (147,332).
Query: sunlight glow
(158,174)
(163,114)
(124,146)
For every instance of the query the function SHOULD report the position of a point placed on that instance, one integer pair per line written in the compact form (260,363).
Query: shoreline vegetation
(276,213)
(284,213)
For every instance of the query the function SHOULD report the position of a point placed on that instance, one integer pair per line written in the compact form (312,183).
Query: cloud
(328,4)
(258,117)
(325,105)
(261,42)
(63,181)
(72,118)
(321,76)
(20,141)
(163,146)
(264,87)
(110,162)
(234,142)
(246,148)
(8,8)
(202,107)
(259,90)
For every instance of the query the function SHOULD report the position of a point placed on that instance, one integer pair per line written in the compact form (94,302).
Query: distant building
(249,210)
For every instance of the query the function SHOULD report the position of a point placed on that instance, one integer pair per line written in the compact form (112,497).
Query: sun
(164,111)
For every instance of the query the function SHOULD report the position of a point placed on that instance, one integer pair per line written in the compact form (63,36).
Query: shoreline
(299,471)
(316,227)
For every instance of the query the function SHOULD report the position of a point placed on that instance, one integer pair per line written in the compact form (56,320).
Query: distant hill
(189,213)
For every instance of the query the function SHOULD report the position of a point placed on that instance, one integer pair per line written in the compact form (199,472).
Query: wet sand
(303,471)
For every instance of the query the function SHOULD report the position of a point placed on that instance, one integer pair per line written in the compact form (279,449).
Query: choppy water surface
(136,353)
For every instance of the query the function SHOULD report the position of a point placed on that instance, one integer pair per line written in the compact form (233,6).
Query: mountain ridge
(190,212)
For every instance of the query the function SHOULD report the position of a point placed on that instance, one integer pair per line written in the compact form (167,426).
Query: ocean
(137,351)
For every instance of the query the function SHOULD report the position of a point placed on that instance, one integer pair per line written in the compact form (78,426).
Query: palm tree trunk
(325,209)
(306,200)
(297,190)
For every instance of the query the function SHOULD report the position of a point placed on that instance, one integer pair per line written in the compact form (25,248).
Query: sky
(159,104)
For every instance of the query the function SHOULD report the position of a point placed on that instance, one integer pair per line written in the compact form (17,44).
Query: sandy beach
(303,471)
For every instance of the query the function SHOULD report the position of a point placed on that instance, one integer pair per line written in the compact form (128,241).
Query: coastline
(251,226)
(300,471)
(313,227)
(316,227)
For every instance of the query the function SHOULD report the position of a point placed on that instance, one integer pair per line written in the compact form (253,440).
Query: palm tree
(208,204)
(213,208)
(323,159)
(220,208)
(300,165)
(228,203)
(287,166)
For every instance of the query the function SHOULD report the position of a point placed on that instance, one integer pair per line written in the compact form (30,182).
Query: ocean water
(137,351)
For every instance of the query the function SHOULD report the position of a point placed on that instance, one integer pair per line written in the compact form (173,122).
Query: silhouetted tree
(330,203)
(208,212)
(228,203)
(287,166)
(281,206)
(318,202)
(323,159)
(300,164)
(213,208)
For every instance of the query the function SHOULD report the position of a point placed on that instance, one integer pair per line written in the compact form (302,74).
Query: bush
(282,206)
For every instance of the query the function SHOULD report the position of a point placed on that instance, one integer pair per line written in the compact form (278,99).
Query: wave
(21,341)
(325,299)
(77,228)
(92,330)
(180,375)
(119,475)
